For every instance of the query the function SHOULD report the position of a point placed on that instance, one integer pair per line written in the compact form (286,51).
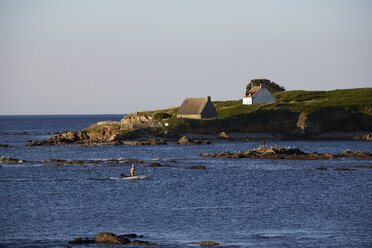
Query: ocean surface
(235,202)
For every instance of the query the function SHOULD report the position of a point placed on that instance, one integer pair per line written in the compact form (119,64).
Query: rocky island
(278,152)
(296,115)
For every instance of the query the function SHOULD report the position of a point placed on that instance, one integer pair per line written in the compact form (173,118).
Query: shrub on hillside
(161,115)
(271,86)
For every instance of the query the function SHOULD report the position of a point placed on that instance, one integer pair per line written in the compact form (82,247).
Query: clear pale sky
(97,57)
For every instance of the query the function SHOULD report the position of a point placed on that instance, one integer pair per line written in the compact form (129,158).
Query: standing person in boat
(132,170)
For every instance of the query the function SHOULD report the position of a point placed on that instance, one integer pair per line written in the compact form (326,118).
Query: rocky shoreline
(159,136)
(139,137)
(277,152)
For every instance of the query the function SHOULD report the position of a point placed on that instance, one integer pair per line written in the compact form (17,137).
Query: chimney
(208,98)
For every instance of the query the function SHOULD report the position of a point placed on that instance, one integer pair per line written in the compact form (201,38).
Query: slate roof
(192,106)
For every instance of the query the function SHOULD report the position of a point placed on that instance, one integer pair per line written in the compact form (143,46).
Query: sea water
(235,202)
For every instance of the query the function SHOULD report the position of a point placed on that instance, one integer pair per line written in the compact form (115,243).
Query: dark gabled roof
(192,106)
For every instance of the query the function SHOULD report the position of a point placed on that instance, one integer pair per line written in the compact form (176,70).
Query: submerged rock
(344,169)
(131,235)
(73,162)
(52,160)
(208,243)
(126,161)
(156,164)
(5,146)
(362,166)
(22,133)
(152,142)
(78,241)
(195,167)
(140,242)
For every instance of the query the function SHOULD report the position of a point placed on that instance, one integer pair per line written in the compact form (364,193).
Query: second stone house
(197,108)
(258,94)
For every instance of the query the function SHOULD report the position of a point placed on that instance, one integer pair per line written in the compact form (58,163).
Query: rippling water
(236,202)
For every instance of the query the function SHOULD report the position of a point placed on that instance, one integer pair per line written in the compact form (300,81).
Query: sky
(118,57)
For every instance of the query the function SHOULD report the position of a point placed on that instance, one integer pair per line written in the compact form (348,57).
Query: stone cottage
(258,94)
(197,108)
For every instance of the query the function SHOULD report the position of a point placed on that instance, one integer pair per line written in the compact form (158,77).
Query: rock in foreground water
(278,152)
(79,241)
(208,243)
(186,141)
(110,239)
(5,146)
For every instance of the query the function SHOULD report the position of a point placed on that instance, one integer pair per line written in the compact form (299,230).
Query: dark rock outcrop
(79,241)
(362,166)
(131,236)
(22,133)
(223,135)
(65,138)
(354,154)
(10,160)
(107,238)
(5,146)
(367,137)
(51,160)
(186,141)
(156,164)
(344,169)
(101,138)
(208,243)
(278,152)
(140,242)
(195,167)
(63,162)
(60,162)
(110,239)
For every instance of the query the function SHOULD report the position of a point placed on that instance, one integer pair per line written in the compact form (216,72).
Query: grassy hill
(295,114)
(305,111)
(304,101)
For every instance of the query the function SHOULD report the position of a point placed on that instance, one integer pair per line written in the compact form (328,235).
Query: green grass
(228,109)
(303,101)
(171,111)
(289,106)
(361,99)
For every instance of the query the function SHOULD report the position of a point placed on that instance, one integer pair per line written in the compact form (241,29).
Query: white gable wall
(247,100)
